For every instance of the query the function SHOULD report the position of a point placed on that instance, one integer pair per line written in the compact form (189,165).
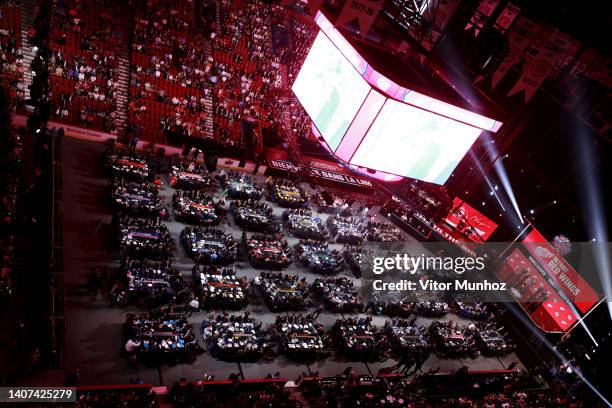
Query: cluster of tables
(268,251)
(287,194)
(358,338)
(195,208)
(138,199)
(151,279)
(382,232)
(163,338)
(319,258)
(127,165)
(338,294)
(282,292)
(145,238)
(450,340)
(301,340)
(236,340)
(303,224)
(241,186)
(190,176)
(209,245)
(253,216)
(491,342)
(219,287)
(345,230)
(406,338)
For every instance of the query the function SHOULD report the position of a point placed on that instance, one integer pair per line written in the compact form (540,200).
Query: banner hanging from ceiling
(365,11)
(506,17)
(546,54)
(481,15)
(521,35)
(563,275)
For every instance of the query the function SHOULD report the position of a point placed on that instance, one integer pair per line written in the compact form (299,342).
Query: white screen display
(330,90)
(412,142)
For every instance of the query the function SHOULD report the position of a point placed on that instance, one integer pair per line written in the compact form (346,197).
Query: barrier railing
(56,254)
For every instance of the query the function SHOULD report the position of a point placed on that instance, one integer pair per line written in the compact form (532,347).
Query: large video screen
(330,90)
(412,142)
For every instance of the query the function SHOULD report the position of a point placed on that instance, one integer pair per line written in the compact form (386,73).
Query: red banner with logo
(470,222)
(535,295)
(577,290)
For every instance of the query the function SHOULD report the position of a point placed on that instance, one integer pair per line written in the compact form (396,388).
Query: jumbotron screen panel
(377,125)
(330,90)
(415,143)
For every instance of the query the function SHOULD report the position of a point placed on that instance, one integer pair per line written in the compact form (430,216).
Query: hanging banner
(523,32)
(573,286)
(507,17)
(364,11)
(542,63)
(438,14)
(567,60)
(547,311)
(481,15)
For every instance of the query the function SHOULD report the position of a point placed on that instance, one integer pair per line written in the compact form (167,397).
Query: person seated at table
(407,338)
(121,163)
(382,232)
(345,230)
(268,251)
(143,237)
(196,207)
(287,193)
(301,336)
(137,199)
(240,186)
(338,294)
(157,281)
(209,245)
(282,292)
(303,224)
(190,176)
(219,287)
(253,215)
(236,338)
(167,335)
(318,257)
(359,338)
